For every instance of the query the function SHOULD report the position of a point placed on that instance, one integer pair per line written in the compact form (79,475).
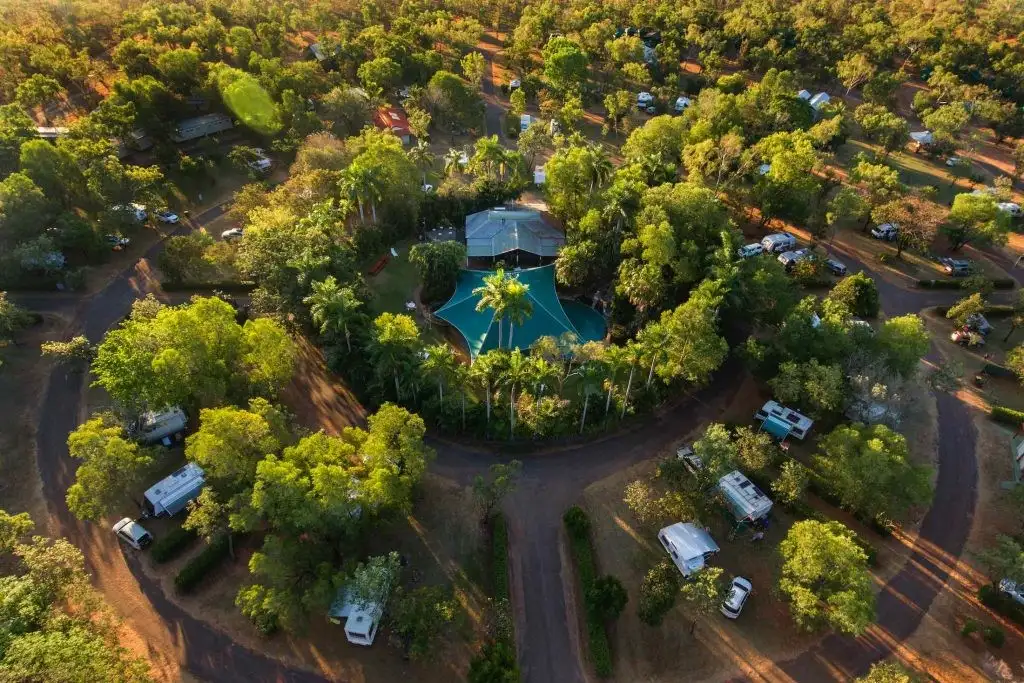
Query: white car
(1011,208)
(515,84)
(117,242)
(166,216)
(739,591)
(427,187)
(749,250)
(885,231)
(232,234)
(952,161)
(132,533)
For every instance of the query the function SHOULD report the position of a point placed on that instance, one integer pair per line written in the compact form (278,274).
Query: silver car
(739,591)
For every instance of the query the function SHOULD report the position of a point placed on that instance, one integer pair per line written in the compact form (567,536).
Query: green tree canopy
(111,466)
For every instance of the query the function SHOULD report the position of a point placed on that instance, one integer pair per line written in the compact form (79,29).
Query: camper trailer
(689,546)
(169,496)
(747,502)
(361,620)
(161,425)
(199,126)
(780,421)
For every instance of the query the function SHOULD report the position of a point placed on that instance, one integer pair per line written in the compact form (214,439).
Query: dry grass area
(22,386)
(318,399)
(721,649)
(442,542)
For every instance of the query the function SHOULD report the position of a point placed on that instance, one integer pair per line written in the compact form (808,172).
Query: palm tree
(333,308)
(440,363)
(488,158)
(614,362)
(634,356)
(517,371)
(494,295)
(543,373)
(518,306)
(452,162)
(590,374)
(361,183)
(485,370)
(653,339)
(599,166)
(422,157)
(394,344)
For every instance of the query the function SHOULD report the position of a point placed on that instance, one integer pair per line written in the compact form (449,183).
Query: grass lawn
(396,284)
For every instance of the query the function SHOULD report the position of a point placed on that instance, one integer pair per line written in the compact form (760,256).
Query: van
(524,122)
(158,425)
(778,243)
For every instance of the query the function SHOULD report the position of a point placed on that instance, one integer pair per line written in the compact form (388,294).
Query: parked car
(778,243)
(515,84)
(790,258)
(117,242)
(739,591)
(232,234)
(885,231)
(166,216)
(835,267)
(691,461)
(749,250)
(427,187)
(978,323)
(644,100)
(956,267)
(136,211)
(132,533)
(261,164)
(952,161)
(1011,208)
(1012,589)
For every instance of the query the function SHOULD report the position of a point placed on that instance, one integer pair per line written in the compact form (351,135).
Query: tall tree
(334,308)
(395,340)
(703,594)
(494,294)
(111,467)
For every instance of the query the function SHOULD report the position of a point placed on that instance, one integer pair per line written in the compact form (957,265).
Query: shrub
(997,370)
(994,599)
(1007,415)
(859,293)
(172,544)
(499,549)
(606,599)
(970,626)
(201,565)
(495,663)
(994,636)
(998,283)
(578,526)
(658,592)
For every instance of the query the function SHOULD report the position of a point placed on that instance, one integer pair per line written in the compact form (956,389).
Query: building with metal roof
(504,231)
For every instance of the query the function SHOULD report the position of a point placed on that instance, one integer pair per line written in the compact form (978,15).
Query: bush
(578,526)
(859,293)
(172,544)
(1007,416)
(970,626)
(990,596)
(495,663)
(606,599)
(998,370)
(201,565)
(997,283)
(499,550)
(226,286)
(994,636)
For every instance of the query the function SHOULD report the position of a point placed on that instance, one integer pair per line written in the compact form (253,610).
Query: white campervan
(747,502)
(361,620)
(170,495)
(157,425)
(778,243)
(784,419)
(688,545)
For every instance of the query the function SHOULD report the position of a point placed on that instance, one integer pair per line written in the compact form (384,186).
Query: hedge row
(221,286)
(1006,415)
(997,370)
(171,545)
(202,564)
(991,310)
(998,283)
(1000,603)
(578,526)
(499,548)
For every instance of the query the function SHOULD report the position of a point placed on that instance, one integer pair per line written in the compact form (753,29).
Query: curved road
(546,628)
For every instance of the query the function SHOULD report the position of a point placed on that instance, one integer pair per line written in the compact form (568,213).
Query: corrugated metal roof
(500,231)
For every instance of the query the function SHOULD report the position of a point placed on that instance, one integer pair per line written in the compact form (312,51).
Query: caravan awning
(776,427)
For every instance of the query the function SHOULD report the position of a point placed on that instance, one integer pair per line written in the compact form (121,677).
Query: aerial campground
(532,341)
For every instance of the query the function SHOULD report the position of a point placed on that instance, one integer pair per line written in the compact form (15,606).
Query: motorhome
(361,620)
(778,243)
(747,502)
(200,126)
(780,421)
(689,546)
(169,496)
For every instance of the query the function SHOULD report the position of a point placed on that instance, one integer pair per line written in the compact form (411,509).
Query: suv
(835,267)
(691,461)
(132,533)
(739,591)
(791,258)
(885,231)
(956,267)
(749,250)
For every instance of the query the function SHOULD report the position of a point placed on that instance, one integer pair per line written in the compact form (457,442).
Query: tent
(500,231)
(550,317)
(922,137)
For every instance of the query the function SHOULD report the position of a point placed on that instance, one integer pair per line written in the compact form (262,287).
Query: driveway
(545,628)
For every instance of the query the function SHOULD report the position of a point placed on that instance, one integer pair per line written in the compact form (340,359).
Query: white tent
(922,137)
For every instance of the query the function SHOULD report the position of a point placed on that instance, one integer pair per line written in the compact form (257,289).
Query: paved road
(545,627)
